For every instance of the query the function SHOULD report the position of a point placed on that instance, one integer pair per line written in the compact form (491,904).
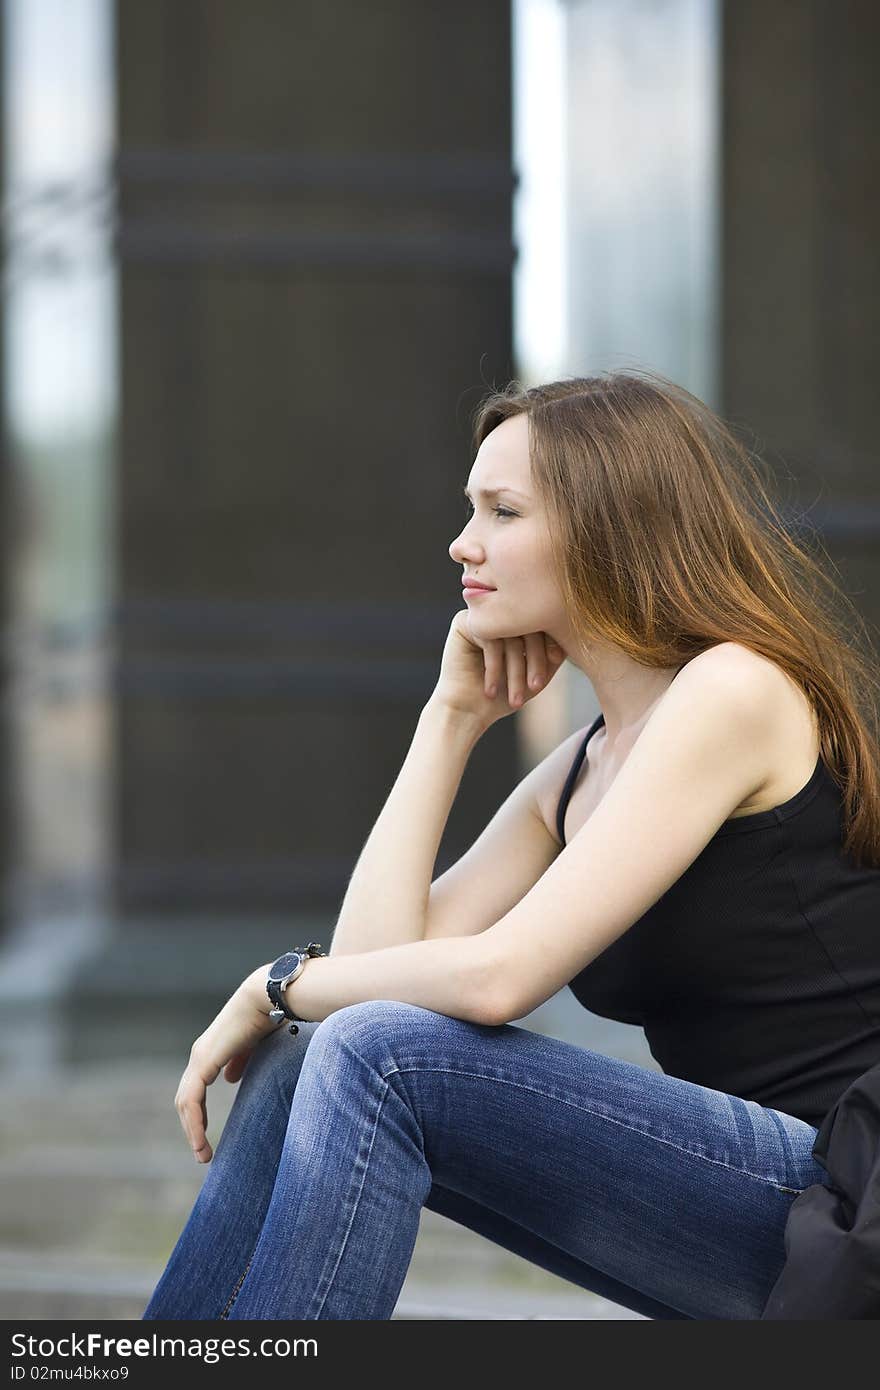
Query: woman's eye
(499,511)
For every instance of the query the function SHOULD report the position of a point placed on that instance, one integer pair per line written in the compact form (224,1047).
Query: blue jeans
(664,1196)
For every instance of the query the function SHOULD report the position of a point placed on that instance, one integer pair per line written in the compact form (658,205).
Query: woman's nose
(460,545)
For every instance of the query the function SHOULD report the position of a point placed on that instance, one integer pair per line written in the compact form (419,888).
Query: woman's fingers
(536,660)
(204,1153)
(191,1106)
(526,667)
(526,662)
(493,658)
(515,658)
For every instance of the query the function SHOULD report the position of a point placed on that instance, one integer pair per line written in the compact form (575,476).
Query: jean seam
(357,1199)
(645,1134)
(235,1292)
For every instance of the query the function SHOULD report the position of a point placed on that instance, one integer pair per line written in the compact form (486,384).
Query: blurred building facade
(233,584)
(257,269)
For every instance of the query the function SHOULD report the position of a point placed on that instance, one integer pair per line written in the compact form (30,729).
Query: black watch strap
(276,994)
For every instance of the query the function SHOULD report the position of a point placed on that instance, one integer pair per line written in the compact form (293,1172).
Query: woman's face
(506,542)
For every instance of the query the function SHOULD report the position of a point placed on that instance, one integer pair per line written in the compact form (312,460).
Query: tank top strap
(572,775)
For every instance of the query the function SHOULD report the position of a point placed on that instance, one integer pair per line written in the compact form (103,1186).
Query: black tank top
(758,972)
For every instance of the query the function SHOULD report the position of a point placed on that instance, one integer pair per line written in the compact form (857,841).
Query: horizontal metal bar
(296,880)
(297,876)
(472,176)
(164,244)
(320,620)
(298,682)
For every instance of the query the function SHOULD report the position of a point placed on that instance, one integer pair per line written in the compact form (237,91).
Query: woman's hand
(227,1042)
(488,678)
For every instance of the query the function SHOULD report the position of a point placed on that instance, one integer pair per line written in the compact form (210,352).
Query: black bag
(832,1235)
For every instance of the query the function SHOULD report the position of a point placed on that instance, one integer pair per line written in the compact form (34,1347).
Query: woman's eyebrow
(494,491)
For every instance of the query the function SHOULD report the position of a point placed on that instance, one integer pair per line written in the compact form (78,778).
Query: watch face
(284,965)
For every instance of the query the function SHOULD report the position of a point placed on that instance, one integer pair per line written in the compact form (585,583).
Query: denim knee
(381,1031)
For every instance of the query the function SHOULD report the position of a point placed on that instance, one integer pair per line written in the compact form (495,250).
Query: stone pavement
(96,1182)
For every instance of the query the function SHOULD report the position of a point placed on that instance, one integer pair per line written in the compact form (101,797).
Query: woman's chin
(483,627)
(488,628)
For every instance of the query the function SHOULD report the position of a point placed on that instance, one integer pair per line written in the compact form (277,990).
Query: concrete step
(74,1286)
(79,1287)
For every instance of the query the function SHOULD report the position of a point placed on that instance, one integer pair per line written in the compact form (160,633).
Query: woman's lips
(470,591)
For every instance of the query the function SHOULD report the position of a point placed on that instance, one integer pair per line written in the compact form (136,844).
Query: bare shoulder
(746,684)
(763,700)
(786,727)
(733,660)
(760,682)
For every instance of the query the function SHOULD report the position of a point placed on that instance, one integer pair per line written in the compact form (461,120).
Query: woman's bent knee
(383,1032)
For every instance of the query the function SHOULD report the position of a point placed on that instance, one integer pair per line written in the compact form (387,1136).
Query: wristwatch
(281,973)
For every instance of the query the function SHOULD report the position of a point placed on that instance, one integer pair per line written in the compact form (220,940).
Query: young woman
(702,860)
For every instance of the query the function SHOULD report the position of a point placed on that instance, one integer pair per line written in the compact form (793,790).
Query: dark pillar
(801,224)
(315,252)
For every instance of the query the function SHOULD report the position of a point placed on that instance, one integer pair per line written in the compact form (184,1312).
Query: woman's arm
(386,903)
(453,976)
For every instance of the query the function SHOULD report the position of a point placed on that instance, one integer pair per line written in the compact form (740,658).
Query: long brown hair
(667,541)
